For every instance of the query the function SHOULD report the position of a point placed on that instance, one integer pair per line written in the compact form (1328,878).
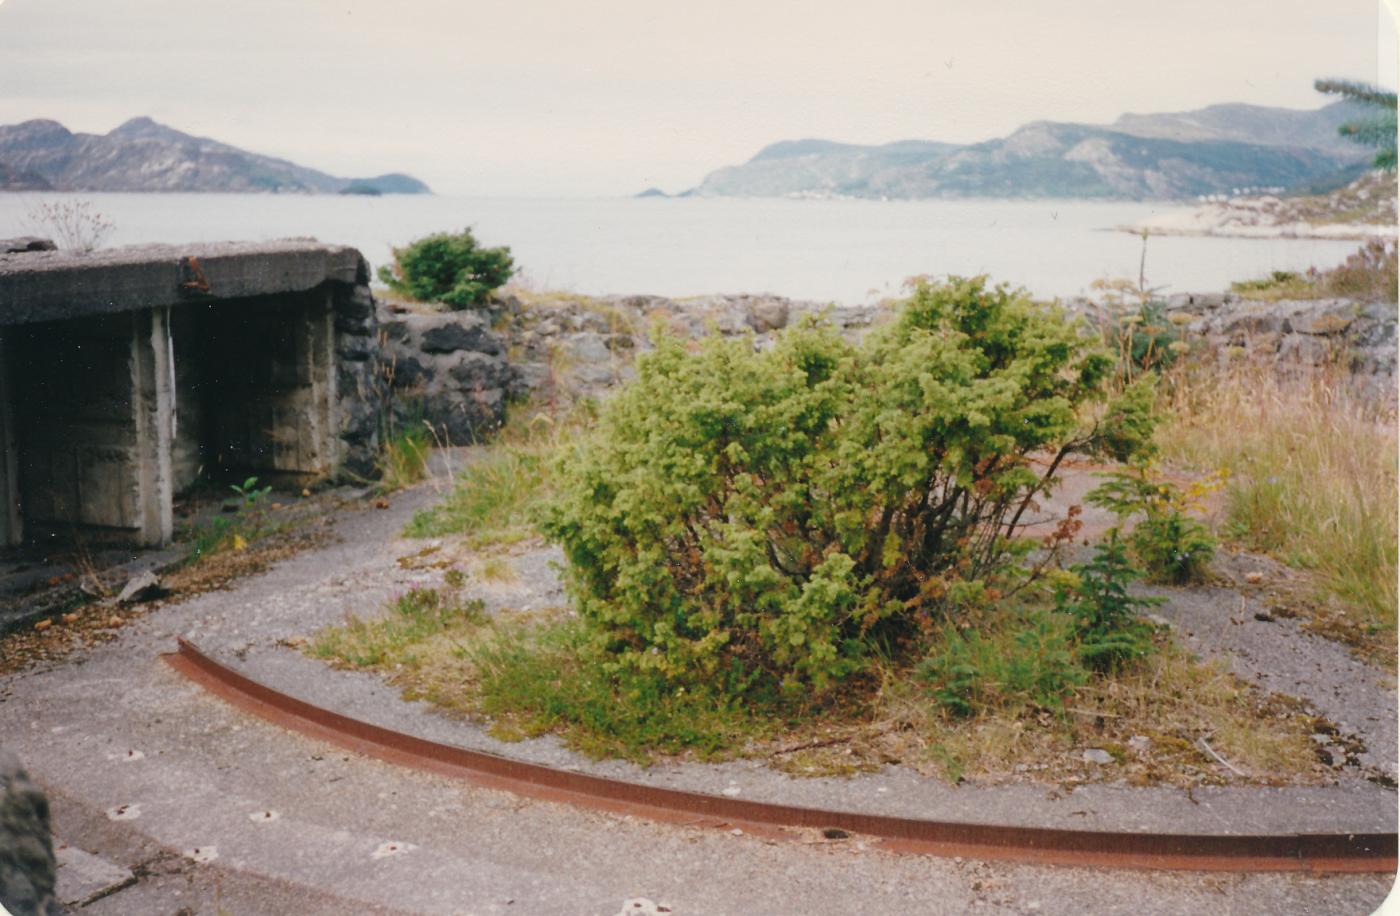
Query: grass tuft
(404,459)
(492,499)
(397,638)
(495,495)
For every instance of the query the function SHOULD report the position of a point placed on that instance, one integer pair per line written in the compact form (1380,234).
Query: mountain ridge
(1171,155)
(142,154)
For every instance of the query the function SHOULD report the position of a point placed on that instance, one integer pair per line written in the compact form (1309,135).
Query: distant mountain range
(1215,150)
(142,155)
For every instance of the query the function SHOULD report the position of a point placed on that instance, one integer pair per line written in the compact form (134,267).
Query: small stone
(70,618)
(143,587)
(1096,755)
(391,849)
(731,791)
(305,493)
(737,832)
(114,621)
(1254,578)
(43,624)
(381,503)
(124,813)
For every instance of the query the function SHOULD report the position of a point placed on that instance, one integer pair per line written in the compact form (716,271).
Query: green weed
(404,459)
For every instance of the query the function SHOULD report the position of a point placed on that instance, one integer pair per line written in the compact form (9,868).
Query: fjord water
(831,250)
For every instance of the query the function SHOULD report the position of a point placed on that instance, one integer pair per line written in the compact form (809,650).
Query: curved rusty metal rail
(1309,852)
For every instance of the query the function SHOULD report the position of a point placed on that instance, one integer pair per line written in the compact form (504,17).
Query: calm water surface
(839,250)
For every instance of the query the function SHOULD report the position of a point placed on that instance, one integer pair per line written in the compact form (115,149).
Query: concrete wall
(89,427)
(254,388)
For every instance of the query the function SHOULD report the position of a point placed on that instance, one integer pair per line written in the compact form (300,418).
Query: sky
(607,97)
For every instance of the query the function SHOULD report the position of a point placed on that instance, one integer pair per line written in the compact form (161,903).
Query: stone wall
(361,394)
(448,370)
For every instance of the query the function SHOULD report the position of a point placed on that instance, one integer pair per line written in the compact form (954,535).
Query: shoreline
(1331,232)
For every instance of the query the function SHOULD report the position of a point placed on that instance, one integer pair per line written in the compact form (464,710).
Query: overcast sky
(610,96)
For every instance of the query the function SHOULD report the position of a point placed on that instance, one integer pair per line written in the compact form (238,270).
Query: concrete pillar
(153,408)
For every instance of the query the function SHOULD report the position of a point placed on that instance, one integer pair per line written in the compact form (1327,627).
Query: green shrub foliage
(448,268)
(1105,613)
(762,520)
(1033,664)
(1171,545)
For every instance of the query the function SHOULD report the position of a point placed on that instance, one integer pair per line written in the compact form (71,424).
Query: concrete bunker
(126,376)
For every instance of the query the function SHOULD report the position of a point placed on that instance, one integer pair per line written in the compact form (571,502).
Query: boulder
(27,867)
(588,347)
(455,332)
(768,315)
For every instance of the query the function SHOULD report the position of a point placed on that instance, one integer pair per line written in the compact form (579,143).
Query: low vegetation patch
(245,517)
(1012,697)
(1312,477)
(491,499)
(1169,542)
(496,495)
(1371,272)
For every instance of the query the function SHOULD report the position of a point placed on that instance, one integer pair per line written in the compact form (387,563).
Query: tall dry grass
(1312,473)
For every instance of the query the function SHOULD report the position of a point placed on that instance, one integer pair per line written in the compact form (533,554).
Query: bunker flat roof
(53,285)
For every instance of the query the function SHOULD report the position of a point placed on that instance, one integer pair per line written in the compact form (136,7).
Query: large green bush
(449,268)
(754,520)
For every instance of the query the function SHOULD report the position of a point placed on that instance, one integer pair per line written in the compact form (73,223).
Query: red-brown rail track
(1308,852)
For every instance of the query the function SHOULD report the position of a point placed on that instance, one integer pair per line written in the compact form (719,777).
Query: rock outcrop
(458,370)
(575,346)
(567,347)
(446,369)
(1293,335)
